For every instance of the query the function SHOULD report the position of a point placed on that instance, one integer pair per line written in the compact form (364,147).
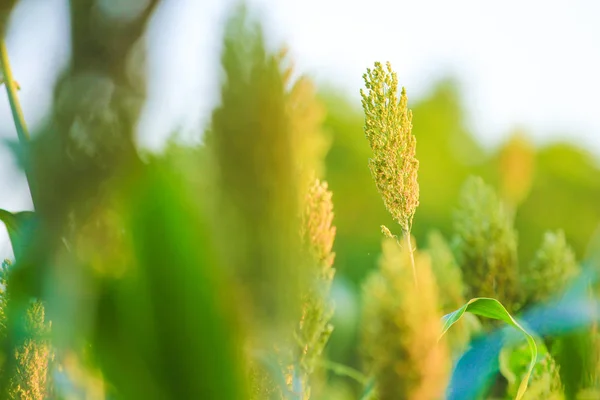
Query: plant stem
(368,392)
(11,91)
(412,257)
(344,370)
(15,106)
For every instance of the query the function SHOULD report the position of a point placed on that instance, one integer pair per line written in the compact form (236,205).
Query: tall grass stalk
(11,91)
(15,106)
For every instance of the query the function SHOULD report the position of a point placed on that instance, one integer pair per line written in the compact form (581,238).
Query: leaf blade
(492,308)
(19,226)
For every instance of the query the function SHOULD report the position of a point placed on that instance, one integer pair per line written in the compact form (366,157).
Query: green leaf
(19,226)
(171,321)
(492,308)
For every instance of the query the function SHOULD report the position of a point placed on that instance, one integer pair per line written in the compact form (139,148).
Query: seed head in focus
(388,128)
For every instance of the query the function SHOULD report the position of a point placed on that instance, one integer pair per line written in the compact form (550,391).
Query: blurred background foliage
(553,186)
(560,181)
(134,253)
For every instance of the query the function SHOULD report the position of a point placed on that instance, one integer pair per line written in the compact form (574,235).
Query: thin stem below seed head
(412,258)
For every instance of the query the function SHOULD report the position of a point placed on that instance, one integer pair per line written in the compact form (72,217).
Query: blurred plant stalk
(15,106)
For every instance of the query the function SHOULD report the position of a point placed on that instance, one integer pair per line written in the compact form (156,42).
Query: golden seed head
(317,229)
(388,128)
(517,164)
(314,328)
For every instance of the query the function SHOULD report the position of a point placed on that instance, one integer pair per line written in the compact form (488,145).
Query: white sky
(519,62)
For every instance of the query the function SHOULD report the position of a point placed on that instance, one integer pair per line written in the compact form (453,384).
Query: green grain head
(552,268)
(486,244)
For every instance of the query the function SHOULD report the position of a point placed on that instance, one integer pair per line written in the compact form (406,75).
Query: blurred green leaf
(168,328)
(19,226)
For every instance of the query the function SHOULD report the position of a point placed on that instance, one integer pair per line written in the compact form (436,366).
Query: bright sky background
(531,63)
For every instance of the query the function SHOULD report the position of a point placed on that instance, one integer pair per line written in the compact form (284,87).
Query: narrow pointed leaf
(492,308)
(19,226)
